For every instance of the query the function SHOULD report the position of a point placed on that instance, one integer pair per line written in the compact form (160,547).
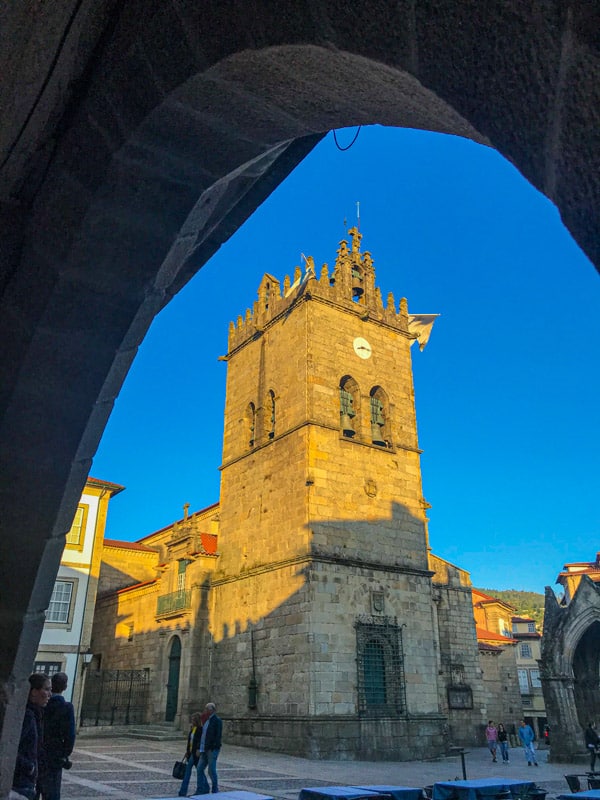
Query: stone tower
(322,615)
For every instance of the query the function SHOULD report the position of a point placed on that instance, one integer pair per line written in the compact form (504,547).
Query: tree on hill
(526,604)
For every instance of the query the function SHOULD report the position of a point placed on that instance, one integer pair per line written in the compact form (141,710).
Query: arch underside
(139,140)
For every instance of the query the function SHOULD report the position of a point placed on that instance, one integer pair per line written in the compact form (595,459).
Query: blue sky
(506,390)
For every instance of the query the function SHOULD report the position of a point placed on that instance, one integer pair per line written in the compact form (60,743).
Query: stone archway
(140,138)
(570,667)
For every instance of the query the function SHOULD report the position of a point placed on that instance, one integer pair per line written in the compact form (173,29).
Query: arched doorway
(586,674)
(173,679)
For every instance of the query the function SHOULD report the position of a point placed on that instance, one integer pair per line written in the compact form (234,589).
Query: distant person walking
(30,742)
(592,740)
(210,746)
(59,739)
(503,742)
(527,737)
(491,737)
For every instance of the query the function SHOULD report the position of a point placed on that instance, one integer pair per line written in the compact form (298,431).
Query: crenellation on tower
(349,285)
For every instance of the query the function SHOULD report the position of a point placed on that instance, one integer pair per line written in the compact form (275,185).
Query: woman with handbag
(191,753)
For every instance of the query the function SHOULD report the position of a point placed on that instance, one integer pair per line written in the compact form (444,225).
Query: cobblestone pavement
(130,769)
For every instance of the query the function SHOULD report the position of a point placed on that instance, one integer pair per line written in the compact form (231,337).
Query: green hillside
(527,604)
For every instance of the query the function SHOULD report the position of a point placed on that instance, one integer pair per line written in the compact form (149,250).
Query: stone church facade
(307,603)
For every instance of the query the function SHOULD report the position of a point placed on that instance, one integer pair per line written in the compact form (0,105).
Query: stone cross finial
(356,237)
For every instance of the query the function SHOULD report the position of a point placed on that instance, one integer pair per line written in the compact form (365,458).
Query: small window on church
(271,412)
(348,406)
(250,424)
(379,418)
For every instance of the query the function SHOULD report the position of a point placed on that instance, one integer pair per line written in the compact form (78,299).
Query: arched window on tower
(250,424)
(349,395)
(380,427)
(358,281)
(271,414)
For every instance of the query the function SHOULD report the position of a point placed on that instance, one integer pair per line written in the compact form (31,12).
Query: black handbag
(179,769)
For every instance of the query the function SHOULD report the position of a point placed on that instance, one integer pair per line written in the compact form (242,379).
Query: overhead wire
(337,144)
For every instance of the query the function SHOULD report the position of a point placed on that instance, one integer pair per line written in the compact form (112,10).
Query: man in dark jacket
(59,739)
(30,742)
(210,745)
(592,741)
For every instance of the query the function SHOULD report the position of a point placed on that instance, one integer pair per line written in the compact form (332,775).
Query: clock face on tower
(362,348)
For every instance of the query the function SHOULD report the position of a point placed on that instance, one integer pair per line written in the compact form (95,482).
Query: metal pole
(462,762)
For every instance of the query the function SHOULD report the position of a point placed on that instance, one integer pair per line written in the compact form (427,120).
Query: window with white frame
(525,650)
(534,675)
(60,602)
(531,627)
(49,668)
(523,681)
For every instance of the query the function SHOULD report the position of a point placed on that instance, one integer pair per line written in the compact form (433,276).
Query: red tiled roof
(128,545)
(115,488)
(136,586)
(209,543)
(522,619)
(491,647)
(482,633)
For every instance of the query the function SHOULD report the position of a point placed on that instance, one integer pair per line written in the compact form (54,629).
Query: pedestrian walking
(59,739)
(527,737)
(210,746)
(192,753)
(503,742)
(491,737)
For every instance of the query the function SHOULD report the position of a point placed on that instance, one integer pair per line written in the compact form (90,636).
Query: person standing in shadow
(30,742)
(59,739)
(592,740)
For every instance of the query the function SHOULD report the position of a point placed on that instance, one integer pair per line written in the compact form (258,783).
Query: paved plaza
(131,769)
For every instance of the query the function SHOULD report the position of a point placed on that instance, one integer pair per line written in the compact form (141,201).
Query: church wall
(262,607)
(128,634)
(499,671)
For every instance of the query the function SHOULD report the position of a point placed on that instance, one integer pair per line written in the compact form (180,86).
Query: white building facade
(65,642)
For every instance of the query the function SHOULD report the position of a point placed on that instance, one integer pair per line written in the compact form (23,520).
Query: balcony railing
(173,602)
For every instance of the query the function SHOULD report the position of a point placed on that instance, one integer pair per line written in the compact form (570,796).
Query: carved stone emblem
(370,488)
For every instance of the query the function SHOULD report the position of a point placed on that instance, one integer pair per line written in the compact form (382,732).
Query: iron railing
(175,601)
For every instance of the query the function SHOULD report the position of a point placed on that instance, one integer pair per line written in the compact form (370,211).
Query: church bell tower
(322,625)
